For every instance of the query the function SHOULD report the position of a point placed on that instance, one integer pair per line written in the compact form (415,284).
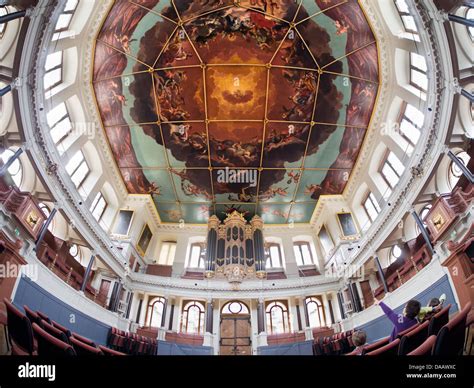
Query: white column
(327,313)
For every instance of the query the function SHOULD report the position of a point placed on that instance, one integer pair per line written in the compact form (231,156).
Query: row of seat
(131,343)
(438,336)
(33,333)
(337,344)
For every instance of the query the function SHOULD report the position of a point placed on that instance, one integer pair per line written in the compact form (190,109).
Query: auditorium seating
(450,339)
(20,331)
(65,330)
(83,349)
(414,338)
(56,333)
(32,316)
(51,346)
(387,350)
(110,352)
(438,320)
(131,343)
(425,349)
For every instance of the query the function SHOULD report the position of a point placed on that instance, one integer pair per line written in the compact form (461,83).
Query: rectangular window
(54,73)
(303,253)
(418,70)
(168,250)
(59,123)
(407,19)
(78,169)
(65,18)
(371,207)
(273,256)
(392,169)
(196,259)
(98,206)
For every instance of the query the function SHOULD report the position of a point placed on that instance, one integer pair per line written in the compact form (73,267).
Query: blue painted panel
(172,349)
(36,298)
(296,349)
(382,327)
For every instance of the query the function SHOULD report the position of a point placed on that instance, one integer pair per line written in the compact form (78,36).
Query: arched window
(235,308)
(277,317)
(315,310)
(16,169)
(303,253)
(193,318)
(75,252)
(156,307)
(273,254)
(395,253)
(454,171)
(47,212)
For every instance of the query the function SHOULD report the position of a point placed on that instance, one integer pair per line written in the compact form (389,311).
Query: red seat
(438,320)
(51,346)
(82,349)
(413,339)
(32,316)
(84,340)
(43,316)
(450,339)
(387,350)
(110,352)
(20,332)
(406,331)
(54,332)
(425,349)
(375,345)
(65,330)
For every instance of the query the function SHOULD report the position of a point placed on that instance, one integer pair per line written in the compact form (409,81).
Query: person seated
(434,305)
(401,321)
(359,338)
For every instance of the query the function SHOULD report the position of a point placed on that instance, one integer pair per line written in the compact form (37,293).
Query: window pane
(402,6)
(53,60)
(307,259)
(51,78)
(299,259)
(63,21)
(61,130)
(410,131)
(409,23)
(419,79)
(74,162)
(71,5)
(415,116)
(56,114)
(396,164)
(79,175)
(164,254)
(195,256)
(419,62)
(390,175)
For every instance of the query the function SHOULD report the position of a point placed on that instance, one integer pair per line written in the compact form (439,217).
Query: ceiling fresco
(257,105)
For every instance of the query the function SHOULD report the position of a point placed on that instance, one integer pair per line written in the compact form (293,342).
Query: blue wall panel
(172,349)
(36,298)
(297,349)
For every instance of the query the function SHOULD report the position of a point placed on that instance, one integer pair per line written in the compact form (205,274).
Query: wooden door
(367,293)
(235,335)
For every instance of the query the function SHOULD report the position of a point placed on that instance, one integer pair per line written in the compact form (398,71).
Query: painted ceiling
(257,105)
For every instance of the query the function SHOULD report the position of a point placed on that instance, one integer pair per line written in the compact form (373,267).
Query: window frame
(269,256)
(185,316)
(403,15)
(69,12)
(52,69)
(77,168)
(414,68)
(320,310)
(297,246)
(389,164)
(375,204)
(168,261)
(150,308)
(95,204)
(201,259)
(57,122)
(285,315)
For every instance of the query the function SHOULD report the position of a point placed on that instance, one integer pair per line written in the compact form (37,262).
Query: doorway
(235,330)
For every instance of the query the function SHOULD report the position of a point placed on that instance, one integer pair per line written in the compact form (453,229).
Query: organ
(235,248)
